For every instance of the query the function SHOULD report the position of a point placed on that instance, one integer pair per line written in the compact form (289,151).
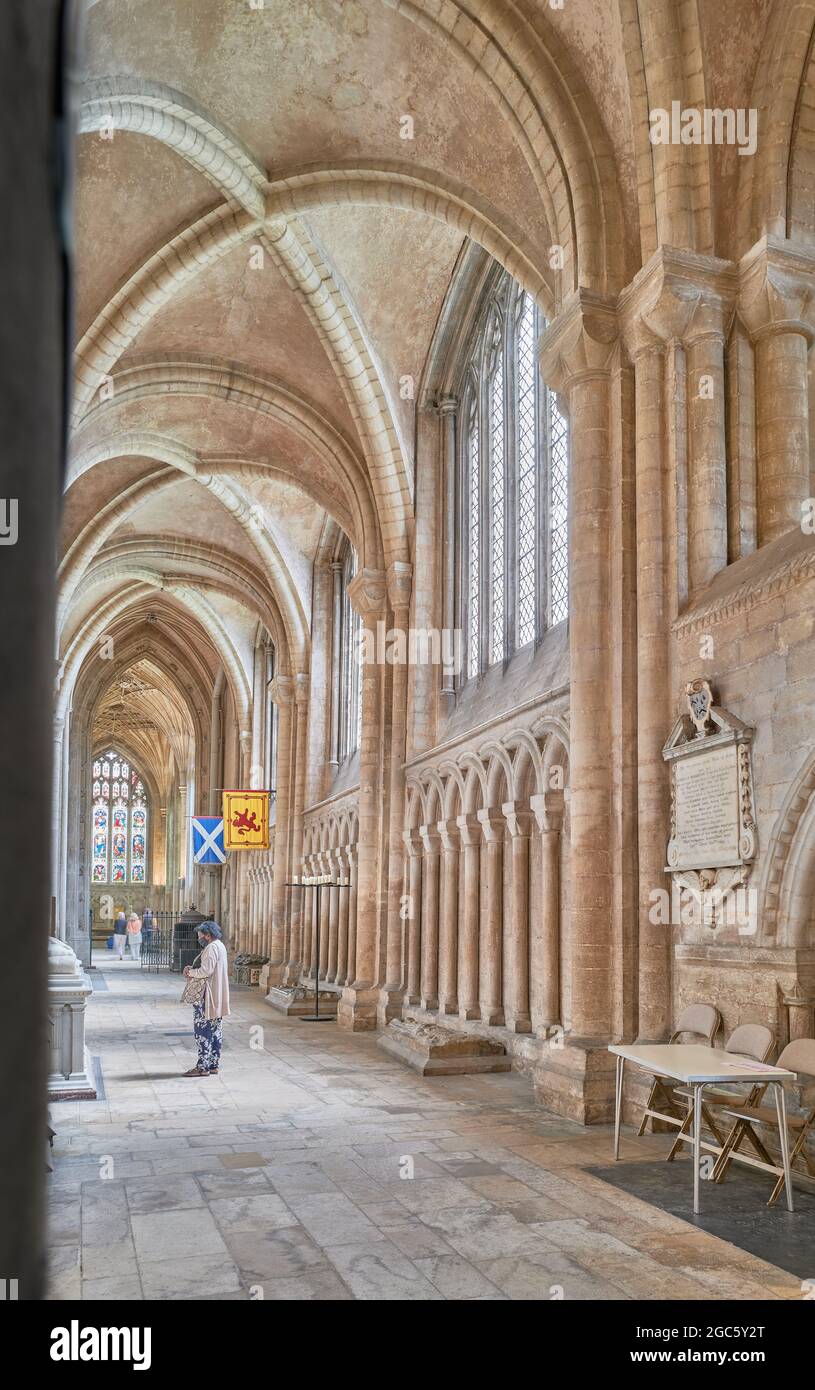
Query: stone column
(490,989)
(282,693)
(653,703)
(334,895)
(351,971)
(70,1075)
(325,895)
(399,580)
(301,694)
(448,919)
(310,909)
(414,847)
(707,462)
(468,934)
(577,356)
(519,821)
(776,290)
(357,1008)
(430,916)
(342,920)
(544,985)
(58,811)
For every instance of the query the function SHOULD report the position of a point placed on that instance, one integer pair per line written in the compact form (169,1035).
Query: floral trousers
(208,1038)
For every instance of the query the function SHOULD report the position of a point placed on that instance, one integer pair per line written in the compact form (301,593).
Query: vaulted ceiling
(271,201)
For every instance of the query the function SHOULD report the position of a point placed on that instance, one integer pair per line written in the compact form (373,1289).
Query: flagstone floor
(316,1167)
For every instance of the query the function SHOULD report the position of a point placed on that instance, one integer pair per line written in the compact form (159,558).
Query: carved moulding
(713,827)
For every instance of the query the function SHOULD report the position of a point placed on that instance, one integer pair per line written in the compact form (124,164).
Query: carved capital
(367,593)
(450,835)
(777,290)
(580,343)
(678,296)
(413,842)
(547,808)
(492,825)
(430,839)
(469,829)
(399,582)
(282,690)
(519,819)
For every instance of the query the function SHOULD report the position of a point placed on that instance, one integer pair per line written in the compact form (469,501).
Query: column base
(576,1078)
(492,1015)
(274,973)
(389,1004)
(521,1024)
(77,1085)
(292,971)
(470,1011)
(356,1011)
(449,1007)
(427,1003)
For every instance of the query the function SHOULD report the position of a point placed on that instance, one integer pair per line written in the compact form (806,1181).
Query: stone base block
(78,1085)
(389,1005)
(576,1079)
(357,1008)
(295,1001)
(432,1050)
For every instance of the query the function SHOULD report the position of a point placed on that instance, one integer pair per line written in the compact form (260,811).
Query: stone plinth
(576,1079)
(295,1001)
(432,1050)
(68,989)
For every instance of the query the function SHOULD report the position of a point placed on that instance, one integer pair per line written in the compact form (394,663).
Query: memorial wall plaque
(707,823)
(713,839)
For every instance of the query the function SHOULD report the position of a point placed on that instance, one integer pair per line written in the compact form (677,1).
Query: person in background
(134,935)
(146,926)
(214,1007)
(120,934)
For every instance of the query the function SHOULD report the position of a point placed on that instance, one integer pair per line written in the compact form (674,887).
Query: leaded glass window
(347,660)
(119,821)
(513,551)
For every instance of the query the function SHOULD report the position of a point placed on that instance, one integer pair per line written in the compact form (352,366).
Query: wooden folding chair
(703,1022)
(798,1056)
(748,1040)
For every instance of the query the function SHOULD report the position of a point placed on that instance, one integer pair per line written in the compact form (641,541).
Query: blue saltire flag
(208,840)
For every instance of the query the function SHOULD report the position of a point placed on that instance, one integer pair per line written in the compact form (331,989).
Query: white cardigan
(213,969)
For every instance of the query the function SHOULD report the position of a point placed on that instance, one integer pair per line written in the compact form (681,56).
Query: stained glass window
(120,812)
(513,559)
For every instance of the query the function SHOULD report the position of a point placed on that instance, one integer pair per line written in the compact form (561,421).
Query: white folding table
(697,1066)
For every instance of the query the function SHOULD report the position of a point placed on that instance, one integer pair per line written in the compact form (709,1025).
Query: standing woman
(134,935)
(213,1006)
(120,934)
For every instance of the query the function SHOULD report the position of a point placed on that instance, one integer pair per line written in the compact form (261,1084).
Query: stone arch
(788,883)
(541,94)
(88,543)
(783,94)
(150,108)
(215,379)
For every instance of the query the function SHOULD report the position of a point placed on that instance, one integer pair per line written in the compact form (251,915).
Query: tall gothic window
(119,846)
(347,694)
(270,744)
(512,487)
